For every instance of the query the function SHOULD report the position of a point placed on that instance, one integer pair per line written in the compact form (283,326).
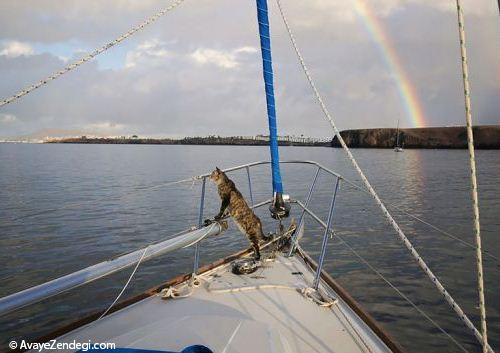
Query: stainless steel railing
(191,237)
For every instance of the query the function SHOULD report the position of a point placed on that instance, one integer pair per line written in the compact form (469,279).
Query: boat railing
(187,238)
(194,236)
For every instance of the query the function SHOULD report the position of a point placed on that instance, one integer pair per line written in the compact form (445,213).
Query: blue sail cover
(265,46)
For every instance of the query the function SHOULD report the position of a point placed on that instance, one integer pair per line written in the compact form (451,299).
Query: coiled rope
(449,299)
(89,56)
(472,162)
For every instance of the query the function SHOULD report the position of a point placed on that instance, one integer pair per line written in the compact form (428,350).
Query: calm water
(64,207)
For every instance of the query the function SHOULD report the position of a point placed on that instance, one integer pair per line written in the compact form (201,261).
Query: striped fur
(232,200)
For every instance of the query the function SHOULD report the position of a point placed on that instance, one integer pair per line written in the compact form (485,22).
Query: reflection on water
(87,204)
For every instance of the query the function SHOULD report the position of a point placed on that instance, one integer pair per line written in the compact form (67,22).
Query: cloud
(150,52)
(7,118)
(246,50)
(221,58)
(13,49)
(199,72)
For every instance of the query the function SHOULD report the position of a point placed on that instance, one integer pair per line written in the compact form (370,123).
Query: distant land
(259,140)
(455,137)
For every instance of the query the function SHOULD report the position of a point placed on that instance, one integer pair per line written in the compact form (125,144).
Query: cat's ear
(217,169)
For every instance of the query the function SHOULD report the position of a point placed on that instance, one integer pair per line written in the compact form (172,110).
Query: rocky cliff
(485,137)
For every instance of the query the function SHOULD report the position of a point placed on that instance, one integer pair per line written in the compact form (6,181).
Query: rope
(125,286)
(176,292)
(377,199)
(89,56)
(250,288)
(194,280)
(173,292)
(313,295)
(306,292)
(472,162)
(408,300)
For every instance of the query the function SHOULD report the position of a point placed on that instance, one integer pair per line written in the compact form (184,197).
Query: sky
(197,70)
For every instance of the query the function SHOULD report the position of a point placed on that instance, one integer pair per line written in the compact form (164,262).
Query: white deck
(234,321)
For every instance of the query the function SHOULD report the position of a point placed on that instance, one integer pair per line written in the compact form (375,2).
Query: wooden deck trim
(389,341)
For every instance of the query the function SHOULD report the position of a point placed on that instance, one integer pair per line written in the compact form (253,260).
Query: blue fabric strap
(265,46)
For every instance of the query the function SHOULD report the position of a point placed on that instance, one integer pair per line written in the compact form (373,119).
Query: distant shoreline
(485,137)
(224,141)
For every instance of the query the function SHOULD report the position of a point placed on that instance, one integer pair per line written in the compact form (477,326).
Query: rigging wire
(373,193)
(473,179)
(90,56)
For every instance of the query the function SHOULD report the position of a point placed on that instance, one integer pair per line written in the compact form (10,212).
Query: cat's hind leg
(254,240)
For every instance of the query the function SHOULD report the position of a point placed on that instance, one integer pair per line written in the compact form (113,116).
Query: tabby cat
(232,200)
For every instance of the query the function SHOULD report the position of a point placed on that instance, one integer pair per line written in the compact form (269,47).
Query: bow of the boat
(273,309)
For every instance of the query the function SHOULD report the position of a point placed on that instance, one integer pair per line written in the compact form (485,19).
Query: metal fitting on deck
(280,207)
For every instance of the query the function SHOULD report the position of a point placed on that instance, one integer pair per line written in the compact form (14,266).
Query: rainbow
(406,89)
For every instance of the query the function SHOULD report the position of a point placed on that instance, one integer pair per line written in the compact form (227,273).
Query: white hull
(260,312)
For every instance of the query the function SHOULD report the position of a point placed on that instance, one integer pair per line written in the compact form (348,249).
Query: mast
(397,135)
(278,208)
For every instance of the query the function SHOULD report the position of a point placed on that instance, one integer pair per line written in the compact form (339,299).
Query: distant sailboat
(398,148)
